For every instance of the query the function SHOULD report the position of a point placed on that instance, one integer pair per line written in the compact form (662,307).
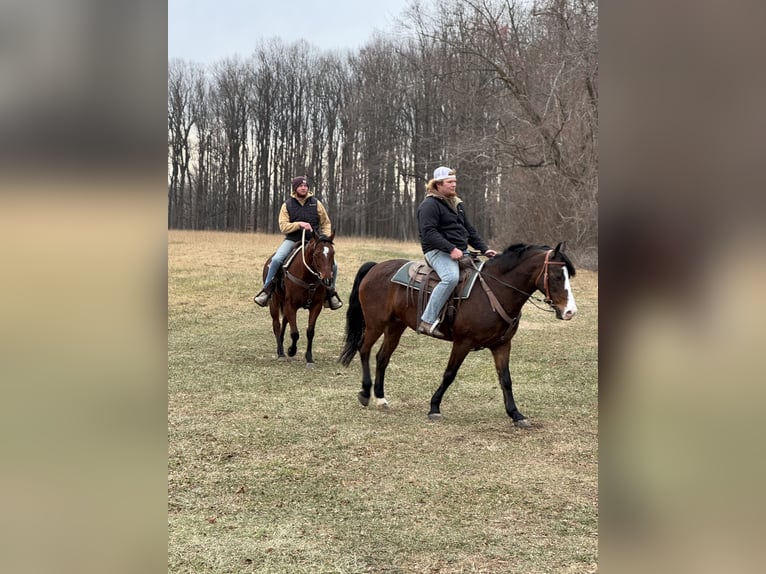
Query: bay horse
(302,283)
(487,318)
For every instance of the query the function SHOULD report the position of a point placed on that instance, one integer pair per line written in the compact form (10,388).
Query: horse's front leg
(501,355)
(279,331)
(290,313)
(368,340)
(456,358)
(313,315)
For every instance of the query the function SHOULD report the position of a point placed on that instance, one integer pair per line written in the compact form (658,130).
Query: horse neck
(523,276)
(297,268)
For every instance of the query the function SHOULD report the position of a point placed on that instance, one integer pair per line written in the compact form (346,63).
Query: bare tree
(180,123)
(504,92)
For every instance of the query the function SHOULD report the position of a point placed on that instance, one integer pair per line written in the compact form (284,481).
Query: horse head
(323,256)
(553,282)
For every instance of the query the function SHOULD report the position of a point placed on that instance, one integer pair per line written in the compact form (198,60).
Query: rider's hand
(305,225)
(455,254)
(490,253)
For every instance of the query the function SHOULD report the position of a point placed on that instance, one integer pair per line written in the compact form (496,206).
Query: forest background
(505,92)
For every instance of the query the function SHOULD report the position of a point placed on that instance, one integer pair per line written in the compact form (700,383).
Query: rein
(303,253)
(311,287)
(531,296)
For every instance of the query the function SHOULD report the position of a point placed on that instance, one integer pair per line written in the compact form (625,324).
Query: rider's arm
(285,226)
(325,225)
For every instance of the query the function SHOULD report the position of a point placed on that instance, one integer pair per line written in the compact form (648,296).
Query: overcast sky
(207,31)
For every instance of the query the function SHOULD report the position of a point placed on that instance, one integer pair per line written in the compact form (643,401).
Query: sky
(207,31)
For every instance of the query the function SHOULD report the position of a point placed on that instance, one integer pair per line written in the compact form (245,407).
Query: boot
(333,301)
(264,296)
(430,329)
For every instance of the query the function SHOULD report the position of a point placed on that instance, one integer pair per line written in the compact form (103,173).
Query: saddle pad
(291,256)
(411,275)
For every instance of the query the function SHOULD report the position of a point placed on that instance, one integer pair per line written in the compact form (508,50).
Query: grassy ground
(273,467)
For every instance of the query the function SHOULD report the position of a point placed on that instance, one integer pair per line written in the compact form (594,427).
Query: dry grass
(273,467)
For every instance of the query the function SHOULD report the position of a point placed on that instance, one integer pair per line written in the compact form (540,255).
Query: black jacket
(444,229)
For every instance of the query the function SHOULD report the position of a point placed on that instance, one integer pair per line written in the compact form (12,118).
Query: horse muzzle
(567,315)
(564,314)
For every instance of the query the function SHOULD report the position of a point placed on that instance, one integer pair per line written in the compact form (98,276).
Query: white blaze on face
(571,307)
(326,251)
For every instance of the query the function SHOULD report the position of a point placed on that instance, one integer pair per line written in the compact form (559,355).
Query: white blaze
(571,307)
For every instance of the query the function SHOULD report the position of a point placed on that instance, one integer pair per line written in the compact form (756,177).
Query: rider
(301,211)
(445,233)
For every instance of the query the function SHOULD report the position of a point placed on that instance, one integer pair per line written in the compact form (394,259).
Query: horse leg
(279,333)
(313,315)
(391,337)
(456,358)
(501,355)
(290,317)
(368,340)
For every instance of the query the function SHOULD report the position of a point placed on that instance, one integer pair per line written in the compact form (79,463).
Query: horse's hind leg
(391,339)
(456,358)
(368,340)
(501,355)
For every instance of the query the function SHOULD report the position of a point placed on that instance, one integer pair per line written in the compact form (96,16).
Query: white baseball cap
(442,172)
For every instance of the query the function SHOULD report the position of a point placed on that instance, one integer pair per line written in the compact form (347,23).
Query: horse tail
(355,318)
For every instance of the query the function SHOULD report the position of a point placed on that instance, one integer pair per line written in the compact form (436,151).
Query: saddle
(419,276)
(414,274)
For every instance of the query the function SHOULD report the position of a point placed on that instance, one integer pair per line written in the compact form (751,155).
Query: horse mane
(319,238)
(518,252)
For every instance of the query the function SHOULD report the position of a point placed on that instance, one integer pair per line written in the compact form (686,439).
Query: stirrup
(333,302)
(430,329)
(263,297)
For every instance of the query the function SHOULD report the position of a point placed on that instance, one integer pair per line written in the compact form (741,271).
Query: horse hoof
(291,352)
(310,365)
(523,424)
(281,358)
(435,416)
(364,400)
(382,404)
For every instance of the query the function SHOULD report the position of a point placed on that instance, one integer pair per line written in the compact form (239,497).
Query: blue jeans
(279,258)
(449,273)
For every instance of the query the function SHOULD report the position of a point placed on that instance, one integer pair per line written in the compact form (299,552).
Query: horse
(487,318)
(302,283)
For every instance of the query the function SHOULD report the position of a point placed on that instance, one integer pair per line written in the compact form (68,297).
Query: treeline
(505,92)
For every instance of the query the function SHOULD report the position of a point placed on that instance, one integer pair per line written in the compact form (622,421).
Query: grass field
(273,467)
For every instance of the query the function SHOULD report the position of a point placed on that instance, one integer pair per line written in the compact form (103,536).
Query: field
(276,468)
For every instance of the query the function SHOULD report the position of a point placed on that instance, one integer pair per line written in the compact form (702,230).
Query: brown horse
(487,318)
(301,284)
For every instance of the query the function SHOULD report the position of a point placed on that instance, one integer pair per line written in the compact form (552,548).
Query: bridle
(543,272)
(312,287)
(303,254)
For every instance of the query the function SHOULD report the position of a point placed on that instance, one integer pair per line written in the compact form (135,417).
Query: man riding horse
(445,233)
(301,211)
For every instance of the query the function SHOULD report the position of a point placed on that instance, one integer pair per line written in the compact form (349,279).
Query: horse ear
(317,237)
(559,248)
(332,236)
